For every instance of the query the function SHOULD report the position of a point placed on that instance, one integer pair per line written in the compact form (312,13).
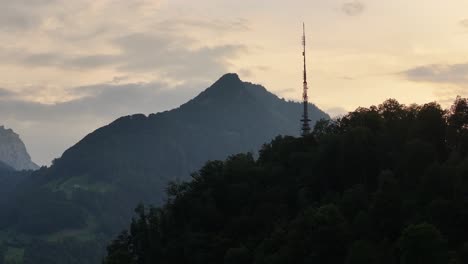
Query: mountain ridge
(194,113)
(93,187)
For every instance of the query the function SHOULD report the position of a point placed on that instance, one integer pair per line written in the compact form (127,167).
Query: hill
(386,184)
(13,152)
(86,196)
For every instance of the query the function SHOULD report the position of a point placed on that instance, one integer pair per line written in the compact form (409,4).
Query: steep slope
(90,191)
(229,117)
(13,151)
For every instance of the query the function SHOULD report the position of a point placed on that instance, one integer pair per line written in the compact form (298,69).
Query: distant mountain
(13,152)
(90,191)
(5,168)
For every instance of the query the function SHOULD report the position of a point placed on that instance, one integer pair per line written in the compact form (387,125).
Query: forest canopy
(384,184)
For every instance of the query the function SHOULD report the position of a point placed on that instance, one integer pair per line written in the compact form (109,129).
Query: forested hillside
(385,184)
(68,212)
(9,181)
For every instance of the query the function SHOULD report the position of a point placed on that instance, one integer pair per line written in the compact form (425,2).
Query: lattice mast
(305,116)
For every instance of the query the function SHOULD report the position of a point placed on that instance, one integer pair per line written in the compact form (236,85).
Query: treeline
(386,184)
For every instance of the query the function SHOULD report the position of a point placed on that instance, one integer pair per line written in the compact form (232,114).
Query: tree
(319,235)
(120,250)
(430,126)
(457,130)
(422,244)
(238,255)
(463,253)
(386,208)
(362,252)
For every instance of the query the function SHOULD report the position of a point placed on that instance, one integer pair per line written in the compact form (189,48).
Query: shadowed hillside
(87,194)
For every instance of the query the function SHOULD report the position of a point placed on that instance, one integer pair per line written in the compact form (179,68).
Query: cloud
(26,15)
(22,14)
(354,8)
(101,101)
(439,73)
(5,94)
(464,23)
(49,59)
(450,79)
(168,55)
(245,72)
(172,55)
(61,60)
(134,39)
(216,25)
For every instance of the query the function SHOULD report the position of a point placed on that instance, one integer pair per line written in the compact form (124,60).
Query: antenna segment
(305,116)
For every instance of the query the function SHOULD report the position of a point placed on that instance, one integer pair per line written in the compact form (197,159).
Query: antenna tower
(305,116)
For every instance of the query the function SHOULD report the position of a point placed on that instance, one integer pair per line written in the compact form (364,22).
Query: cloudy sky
(68,67)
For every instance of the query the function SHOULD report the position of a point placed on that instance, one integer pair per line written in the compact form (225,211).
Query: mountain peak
(228,87)
(229,81)
(13,151)
(228,78)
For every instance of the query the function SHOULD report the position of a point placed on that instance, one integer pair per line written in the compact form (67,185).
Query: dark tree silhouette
(386,184)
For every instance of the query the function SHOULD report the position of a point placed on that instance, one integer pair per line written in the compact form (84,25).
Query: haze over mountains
(88,194)
(13,152)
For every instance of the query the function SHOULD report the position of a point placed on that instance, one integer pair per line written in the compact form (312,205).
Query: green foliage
(356,191)
(13,255)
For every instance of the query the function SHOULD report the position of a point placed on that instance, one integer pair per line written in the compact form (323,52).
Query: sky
(69,67)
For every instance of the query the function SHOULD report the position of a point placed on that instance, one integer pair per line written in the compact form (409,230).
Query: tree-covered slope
(386,184)
(9,180)
(88,193)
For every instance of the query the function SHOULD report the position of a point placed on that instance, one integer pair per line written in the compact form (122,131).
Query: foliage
(385,184)
(422,243)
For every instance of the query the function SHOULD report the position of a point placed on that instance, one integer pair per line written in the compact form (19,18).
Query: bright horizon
(70,67)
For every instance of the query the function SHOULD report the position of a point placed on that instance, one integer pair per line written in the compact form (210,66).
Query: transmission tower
(305,116)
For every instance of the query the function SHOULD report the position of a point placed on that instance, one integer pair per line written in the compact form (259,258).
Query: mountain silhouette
(91,190)
(229,117)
